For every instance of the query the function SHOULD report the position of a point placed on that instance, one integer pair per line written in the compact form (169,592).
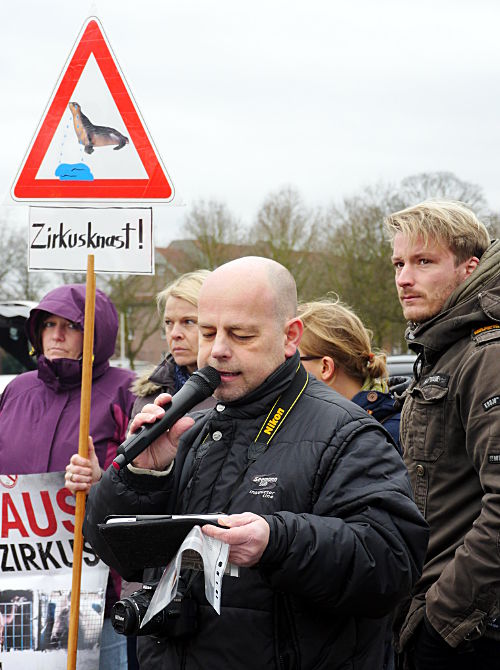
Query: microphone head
(206,377)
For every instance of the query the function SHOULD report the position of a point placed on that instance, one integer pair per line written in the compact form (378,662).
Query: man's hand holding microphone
(161,452)
(155,432)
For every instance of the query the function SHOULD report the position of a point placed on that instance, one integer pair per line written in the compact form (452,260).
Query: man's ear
(470,265)
(293,334)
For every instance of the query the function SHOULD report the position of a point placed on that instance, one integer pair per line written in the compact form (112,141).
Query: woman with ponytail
(336,348)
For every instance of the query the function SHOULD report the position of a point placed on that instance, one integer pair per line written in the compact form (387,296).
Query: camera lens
(124,617)
(127,614)
(179,619)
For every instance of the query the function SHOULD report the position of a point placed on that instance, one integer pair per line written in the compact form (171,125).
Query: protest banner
(36,559)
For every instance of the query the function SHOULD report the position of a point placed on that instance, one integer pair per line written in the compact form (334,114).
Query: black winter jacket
(346,543)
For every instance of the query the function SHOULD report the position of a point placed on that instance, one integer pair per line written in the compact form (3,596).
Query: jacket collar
(262,398)
(163,374)
(63,374)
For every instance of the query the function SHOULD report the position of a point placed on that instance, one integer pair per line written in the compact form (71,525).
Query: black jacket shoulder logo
(494,401)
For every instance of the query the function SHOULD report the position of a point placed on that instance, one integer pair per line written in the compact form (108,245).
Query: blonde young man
(448,283)
(319,511)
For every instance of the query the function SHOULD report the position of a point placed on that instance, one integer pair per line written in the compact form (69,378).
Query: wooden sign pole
(88,349)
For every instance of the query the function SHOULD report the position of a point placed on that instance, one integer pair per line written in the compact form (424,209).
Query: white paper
(214,555)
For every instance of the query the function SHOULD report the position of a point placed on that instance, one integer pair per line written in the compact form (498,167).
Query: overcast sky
(242,98)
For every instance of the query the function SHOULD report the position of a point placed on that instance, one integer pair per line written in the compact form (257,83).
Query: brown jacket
(450,432)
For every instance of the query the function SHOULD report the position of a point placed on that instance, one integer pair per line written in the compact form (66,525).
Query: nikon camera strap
(273,422)
(278,413)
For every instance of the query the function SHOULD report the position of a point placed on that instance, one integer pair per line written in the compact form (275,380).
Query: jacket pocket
(422,423)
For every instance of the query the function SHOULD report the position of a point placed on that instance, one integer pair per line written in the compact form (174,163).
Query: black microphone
(198,387)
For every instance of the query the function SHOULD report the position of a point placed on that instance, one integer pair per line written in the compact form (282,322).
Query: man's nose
(220,348)
(404,276)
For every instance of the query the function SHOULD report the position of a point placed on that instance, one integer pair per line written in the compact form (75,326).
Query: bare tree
(443,186)
(359,261)
(217,234)
(134,299)
(16,283)
(287,231)
(492,222)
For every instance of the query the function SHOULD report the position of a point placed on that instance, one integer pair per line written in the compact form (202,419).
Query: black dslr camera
(179,619)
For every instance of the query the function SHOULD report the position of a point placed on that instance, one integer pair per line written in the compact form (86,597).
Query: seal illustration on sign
(94,136)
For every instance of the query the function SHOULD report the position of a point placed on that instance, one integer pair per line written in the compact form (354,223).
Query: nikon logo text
(272,423)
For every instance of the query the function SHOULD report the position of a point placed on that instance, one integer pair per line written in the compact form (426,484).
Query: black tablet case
(147,543)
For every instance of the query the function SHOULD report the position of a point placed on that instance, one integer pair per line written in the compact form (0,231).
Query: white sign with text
(120,239)
(36,557)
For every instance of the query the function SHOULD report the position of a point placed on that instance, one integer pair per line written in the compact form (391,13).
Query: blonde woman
(178,305)
(336,348)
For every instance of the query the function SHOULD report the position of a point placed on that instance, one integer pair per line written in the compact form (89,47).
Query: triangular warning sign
(92,144)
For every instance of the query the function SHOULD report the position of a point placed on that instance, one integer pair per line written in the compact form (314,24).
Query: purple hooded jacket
(40,410)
